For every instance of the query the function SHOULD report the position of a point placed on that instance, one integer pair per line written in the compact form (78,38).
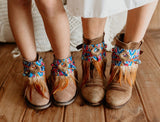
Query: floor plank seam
(142,102)
(64,114)
(22,120)
(105,114)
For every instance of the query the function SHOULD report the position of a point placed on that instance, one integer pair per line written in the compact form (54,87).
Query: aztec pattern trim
(32,69)
(125,57)
(96,52)
(63,67)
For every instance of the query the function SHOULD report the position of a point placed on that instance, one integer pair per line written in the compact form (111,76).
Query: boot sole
(37,107)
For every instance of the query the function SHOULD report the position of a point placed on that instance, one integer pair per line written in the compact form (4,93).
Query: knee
(50,8)
(24,3)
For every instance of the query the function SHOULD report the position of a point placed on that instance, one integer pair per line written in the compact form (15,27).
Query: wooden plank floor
(144,105)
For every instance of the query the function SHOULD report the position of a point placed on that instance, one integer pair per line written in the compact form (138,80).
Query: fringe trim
(61,82)
(38,83)
(98,66)
(123,73)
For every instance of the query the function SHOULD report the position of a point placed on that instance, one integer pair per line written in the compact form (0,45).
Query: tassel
(40,88)
(38,85)
(129,77)
(60,84)
(120,76)
(133,74)
(66,81)
(86,66)
(114,72)
(126,73)
(98,66)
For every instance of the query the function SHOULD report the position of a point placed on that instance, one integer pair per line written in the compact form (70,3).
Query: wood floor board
(148,77)
(6,61)
(12,105)
(152,39)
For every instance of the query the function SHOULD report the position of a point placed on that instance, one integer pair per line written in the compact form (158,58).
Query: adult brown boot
(64,81)
(36,93)
(125,60)
(93,65)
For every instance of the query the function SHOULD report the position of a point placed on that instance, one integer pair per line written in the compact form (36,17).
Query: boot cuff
(131,45)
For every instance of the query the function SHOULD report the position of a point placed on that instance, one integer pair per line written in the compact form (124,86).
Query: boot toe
(67,94)
(38,99)
(93,94)
(116,98)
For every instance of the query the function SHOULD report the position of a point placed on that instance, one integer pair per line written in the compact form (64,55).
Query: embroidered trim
(63,67)
(96,52)
(124,57)
(31,69)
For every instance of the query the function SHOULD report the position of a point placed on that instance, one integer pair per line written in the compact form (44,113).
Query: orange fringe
(39,86)
(62,82)
(128,74)
(98,66)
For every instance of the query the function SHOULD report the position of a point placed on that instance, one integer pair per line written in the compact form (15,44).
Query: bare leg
(138,21)
(56,25)
(20,19)
(93,27)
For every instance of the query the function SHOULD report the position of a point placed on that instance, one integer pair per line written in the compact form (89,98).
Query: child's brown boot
(125,60)
(63,80)
(36,93)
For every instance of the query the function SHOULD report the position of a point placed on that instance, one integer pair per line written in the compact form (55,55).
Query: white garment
(102,8)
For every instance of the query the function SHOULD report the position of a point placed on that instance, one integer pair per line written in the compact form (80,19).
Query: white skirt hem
(91,11)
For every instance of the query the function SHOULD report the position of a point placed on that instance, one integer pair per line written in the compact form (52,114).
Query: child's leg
(56,25)
(93,60)
(125,56)
(20,18)
(138,21)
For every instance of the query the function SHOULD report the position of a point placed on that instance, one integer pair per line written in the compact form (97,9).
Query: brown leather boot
(125,60)
(93,65)
(63,79)
(36,93)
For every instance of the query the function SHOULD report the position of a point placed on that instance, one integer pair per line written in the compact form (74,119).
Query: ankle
(62,56)
(128,39)
(31,58)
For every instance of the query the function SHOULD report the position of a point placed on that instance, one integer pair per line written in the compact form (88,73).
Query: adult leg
(125,56)
(137,22)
